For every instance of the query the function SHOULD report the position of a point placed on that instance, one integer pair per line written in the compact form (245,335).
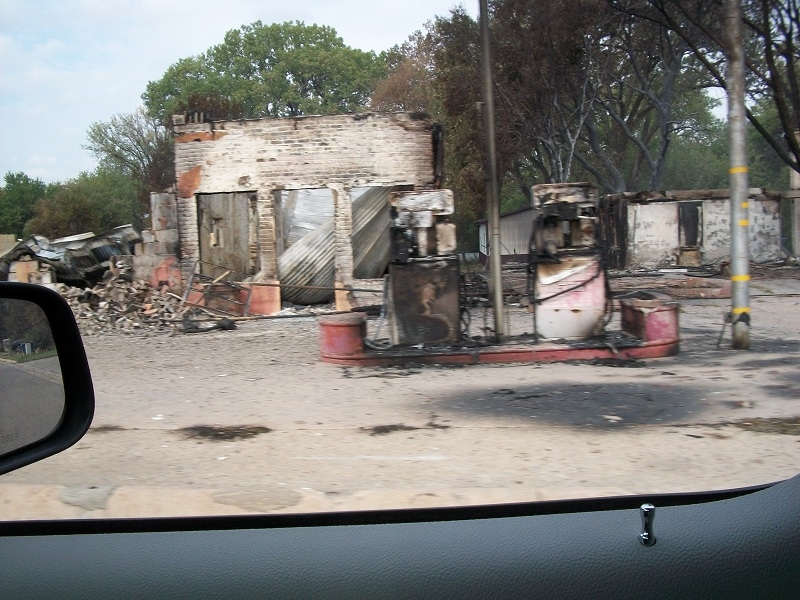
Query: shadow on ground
(654,399)
(611,405)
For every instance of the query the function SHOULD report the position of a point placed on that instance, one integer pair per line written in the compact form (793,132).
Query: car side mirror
(46,394)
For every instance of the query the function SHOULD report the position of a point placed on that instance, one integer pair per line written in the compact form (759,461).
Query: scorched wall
(260,157)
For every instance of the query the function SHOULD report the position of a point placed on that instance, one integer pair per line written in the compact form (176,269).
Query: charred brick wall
(155,257)
(336,151)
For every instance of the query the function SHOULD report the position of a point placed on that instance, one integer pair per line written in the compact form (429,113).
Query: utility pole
(739,181)
(492,195)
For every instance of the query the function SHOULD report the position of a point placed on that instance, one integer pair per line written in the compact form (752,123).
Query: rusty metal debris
(217,293)
(79,260)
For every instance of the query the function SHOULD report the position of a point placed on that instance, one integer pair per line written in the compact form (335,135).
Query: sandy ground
(305,435)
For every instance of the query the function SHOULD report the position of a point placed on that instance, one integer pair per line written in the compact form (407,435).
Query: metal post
(492,195)
(739,184)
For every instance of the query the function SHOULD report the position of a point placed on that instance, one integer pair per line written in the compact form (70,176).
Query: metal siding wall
(515,233)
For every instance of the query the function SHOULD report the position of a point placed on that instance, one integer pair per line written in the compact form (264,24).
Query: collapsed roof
(77,260)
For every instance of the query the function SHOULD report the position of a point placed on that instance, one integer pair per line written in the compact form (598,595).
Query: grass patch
(23,358)
(790,426)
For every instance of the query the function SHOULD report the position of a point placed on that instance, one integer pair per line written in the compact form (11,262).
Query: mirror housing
(77,381)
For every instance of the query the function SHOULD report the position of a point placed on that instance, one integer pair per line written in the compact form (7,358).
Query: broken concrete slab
(89,498)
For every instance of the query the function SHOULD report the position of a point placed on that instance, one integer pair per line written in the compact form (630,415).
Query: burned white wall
(653,233)
(654,227)
(339,152)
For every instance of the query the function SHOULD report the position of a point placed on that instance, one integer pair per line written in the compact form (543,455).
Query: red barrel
(342,335)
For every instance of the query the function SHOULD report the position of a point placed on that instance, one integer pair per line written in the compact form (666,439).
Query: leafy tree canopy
(275,70)
(410,84)
(96,201)
(138,146)
(17,199)
(767,170)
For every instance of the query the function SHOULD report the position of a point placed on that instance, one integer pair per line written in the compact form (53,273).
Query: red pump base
(653,323)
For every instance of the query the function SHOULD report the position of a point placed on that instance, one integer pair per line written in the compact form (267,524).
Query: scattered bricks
(122,304)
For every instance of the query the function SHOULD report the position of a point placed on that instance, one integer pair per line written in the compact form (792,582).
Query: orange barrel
(342,335)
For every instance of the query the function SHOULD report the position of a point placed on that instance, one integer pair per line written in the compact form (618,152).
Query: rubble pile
(120,303)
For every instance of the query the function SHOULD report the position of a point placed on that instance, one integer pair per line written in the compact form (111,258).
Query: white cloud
(66,64)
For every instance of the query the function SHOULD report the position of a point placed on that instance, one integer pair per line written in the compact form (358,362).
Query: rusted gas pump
(423,281)
(566,276)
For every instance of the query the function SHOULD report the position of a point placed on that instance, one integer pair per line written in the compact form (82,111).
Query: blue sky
(66,64)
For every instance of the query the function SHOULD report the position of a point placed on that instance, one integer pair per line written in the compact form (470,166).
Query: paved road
(31,402)
(304,435)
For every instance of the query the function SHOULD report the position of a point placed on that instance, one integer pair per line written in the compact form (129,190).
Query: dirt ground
(251,421)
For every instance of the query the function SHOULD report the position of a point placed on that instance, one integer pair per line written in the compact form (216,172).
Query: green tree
(275,70)
(17,200)
(639,76)
(767,170)
(137,146)
(96,201)
(456,55)
(698,154)
(772,56)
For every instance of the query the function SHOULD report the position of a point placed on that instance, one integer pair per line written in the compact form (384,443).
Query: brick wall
(264,155)
(155,257)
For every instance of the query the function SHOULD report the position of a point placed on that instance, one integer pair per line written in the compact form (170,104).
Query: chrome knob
(648,536)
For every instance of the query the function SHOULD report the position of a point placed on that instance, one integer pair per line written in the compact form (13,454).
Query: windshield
(288,290)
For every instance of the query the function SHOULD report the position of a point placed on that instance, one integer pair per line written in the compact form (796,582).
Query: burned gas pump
(423,280)
(564,222)
(566,276)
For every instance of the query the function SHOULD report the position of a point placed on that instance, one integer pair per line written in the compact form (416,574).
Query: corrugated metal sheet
(309,261)
(371,221)
(515,234)
(303,211)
